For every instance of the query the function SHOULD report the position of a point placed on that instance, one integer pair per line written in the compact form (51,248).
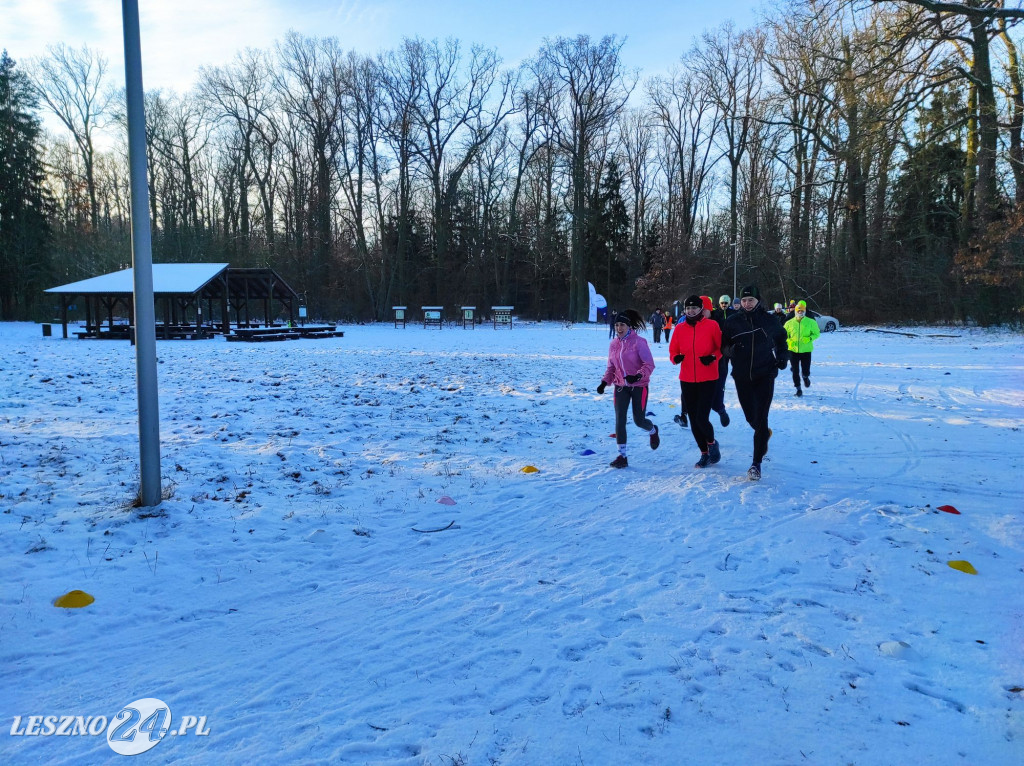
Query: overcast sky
(178,36)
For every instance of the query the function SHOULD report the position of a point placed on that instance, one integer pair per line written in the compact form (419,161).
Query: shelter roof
(168,278)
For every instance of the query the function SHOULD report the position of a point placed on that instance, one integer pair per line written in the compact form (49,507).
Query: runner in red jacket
(696,346)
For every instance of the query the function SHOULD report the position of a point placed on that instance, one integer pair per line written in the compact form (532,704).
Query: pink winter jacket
(628,356)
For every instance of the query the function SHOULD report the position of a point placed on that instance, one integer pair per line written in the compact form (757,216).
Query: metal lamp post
(735,259)
(142,264)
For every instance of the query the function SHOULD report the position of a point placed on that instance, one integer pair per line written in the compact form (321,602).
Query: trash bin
(47,330)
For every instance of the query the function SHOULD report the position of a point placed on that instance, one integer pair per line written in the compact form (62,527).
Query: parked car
(825,322)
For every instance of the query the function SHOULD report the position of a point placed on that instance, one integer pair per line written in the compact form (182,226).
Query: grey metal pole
(735,257)
(142,264)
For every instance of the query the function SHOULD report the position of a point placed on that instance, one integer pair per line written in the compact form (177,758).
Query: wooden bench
(262,334)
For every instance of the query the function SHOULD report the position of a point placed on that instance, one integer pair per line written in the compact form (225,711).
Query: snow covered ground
(293,591)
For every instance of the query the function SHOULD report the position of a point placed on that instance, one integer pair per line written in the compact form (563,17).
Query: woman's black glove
(707,360)
(678,358)
(601,387)
(633,378)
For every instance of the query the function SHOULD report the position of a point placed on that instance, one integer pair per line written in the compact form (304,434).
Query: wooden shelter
(191,300)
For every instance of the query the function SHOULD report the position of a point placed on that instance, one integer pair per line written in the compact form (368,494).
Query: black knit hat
(750,291)
(693,300)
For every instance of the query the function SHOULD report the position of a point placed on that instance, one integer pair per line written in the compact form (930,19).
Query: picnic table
(262,334)
(127,332)
(280,332)
(105,332)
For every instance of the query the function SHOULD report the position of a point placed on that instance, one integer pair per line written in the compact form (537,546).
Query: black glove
(783,362)
(707,360)
(601,387)
(633,378)
(678,358)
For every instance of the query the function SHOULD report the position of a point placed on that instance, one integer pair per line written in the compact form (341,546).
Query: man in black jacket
(657,321)
(756,344)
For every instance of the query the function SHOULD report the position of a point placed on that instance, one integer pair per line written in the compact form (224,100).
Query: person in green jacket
(801,332)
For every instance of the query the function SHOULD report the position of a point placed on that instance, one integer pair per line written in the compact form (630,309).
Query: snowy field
(352,567)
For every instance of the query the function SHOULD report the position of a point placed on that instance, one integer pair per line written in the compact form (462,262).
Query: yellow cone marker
(74,599)
(963,566)
(530,469)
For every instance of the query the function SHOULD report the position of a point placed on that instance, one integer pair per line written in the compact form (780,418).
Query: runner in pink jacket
(630,364)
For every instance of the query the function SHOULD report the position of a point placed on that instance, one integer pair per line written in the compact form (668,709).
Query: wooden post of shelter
(225,307)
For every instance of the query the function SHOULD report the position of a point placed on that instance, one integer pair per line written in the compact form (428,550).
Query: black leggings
(624,397)
(756,400)
(699,397)
(803,361)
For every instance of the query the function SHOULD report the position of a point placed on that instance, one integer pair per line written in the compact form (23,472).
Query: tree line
(865,155)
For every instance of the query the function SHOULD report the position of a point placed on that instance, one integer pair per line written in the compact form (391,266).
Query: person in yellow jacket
(801,332)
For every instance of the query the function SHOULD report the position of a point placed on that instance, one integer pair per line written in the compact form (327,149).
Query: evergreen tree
(24,201)
(607,237)
(927,200)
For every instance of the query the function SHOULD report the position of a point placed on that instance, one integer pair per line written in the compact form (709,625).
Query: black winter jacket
(720,315)
(756,344)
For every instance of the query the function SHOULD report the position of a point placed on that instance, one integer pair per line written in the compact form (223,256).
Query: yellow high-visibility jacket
(801,334)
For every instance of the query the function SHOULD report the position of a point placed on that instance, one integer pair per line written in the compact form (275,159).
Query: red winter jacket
(704,338)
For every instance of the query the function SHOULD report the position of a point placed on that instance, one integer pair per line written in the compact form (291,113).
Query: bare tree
(1015,100)
(731,68)
(71,84)
(402,84)
(309,86)
(530,138)
(177,135)
(241,96)
(803,113)
(360,172)
(686,114)
(637,136)
(849,83)
(590,88)
(460,106)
